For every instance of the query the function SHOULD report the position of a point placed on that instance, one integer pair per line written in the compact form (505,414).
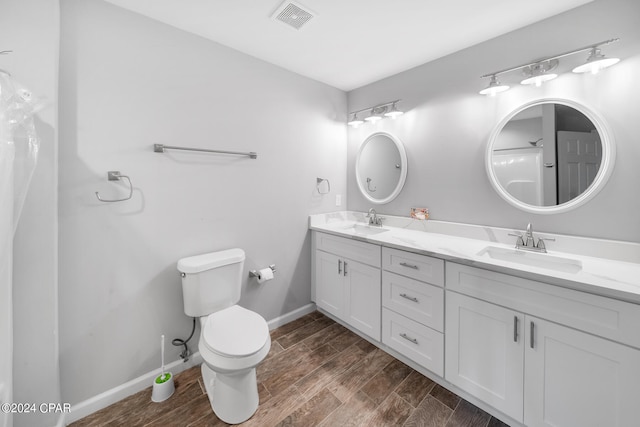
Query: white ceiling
(350,43)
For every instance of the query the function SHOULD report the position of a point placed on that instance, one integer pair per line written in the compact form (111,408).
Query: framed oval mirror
(381,167)
(549,156)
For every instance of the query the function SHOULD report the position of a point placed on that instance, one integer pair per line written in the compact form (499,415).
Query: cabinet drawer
(412,265)
(416,300)
(419,343)
(606,317)
(366,253)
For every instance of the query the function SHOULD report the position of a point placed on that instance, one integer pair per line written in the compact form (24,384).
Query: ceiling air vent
(293,14)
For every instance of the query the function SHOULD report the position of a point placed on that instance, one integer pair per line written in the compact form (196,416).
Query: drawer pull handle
(404,264)
(515,328)
(339,267)
(414,299)
(345,269)
(408,338)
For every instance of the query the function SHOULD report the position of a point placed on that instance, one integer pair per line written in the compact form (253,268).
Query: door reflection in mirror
(547,154)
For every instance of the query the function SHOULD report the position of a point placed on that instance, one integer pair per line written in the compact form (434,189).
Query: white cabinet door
(329,283)
(484,352)
(576,379)
(362,301)
(350,291)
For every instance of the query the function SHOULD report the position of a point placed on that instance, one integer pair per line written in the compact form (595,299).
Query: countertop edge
(603,291)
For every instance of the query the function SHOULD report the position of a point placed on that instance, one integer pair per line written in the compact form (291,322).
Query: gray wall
(447,124)
(126,83)
(31,29)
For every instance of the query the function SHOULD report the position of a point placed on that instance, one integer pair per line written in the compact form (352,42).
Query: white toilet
(233,340)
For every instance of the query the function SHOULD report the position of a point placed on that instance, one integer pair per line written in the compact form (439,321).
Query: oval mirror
(381,167)
(549,156)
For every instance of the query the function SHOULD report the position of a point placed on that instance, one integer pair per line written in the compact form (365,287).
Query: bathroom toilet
(233,340)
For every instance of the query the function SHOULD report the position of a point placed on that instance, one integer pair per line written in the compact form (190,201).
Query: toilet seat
(235,332)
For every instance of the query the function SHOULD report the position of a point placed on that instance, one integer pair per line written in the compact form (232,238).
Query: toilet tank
(211,282)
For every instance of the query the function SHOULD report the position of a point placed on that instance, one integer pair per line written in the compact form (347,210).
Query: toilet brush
(163,376)
(163,386)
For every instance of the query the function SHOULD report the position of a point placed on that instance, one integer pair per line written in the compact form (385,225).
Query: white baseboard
(109,397)
(291,316)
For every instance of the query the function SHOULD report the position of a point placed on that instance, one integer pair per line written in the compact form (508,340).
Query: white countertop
(608,268)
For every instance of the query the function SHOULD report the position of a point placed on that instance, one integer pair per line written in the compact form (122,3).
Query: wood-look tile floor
(318,373)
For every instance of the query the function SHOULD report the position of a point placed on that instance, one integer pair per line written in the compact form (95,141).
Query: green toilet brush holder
(163,386)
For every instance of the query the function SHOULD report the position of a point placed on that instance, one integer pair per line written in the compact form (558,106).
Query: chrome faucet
(527,241)
(374,219)
(530,242)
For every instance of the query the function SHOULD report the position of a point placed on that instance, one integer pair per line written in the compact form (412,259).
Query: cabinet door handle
(515,328)
(339,267)
(345,268)
(408,338)
(414,299)
(404,264)
(531,332)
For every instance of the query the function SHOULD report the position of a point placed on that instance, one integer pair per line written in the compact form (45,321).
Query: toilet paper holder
(254,273)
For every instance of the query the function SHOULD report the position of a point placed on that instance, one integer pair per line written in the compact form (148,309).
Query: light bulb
(394,112)
(595,62)
(594,67)
(355,121)
(374,117)
(494,87)
(539,79)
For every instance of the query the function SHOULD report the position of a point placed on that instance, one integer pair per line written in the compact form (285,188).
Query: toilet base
(233,396)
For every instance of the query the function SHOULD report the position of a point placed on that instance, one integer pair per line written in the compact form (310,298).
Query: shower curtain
(18,155)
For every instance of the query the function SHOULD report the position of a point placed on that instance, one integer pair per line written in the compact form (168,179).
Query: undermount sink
(365,229)
(533,259)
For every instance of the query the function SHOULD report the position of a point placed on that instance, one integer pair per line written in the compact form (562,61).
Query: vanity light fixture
(355,121)
(376,113)
(595,62)
(494,87)
(394,112)
(538,72)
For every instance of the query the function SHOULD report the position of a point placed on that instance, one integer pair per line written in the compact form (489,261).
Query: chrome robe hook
(116,176)
(371,190)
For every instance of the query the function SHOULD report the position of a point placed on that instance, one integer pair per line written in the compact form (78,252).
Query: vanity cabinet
(484,349)
(347,282)
(545,356)
(577,379)
(413,307)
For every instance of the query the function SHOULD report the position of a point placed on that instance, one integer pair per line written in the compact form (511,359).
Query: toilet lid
(235,332)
